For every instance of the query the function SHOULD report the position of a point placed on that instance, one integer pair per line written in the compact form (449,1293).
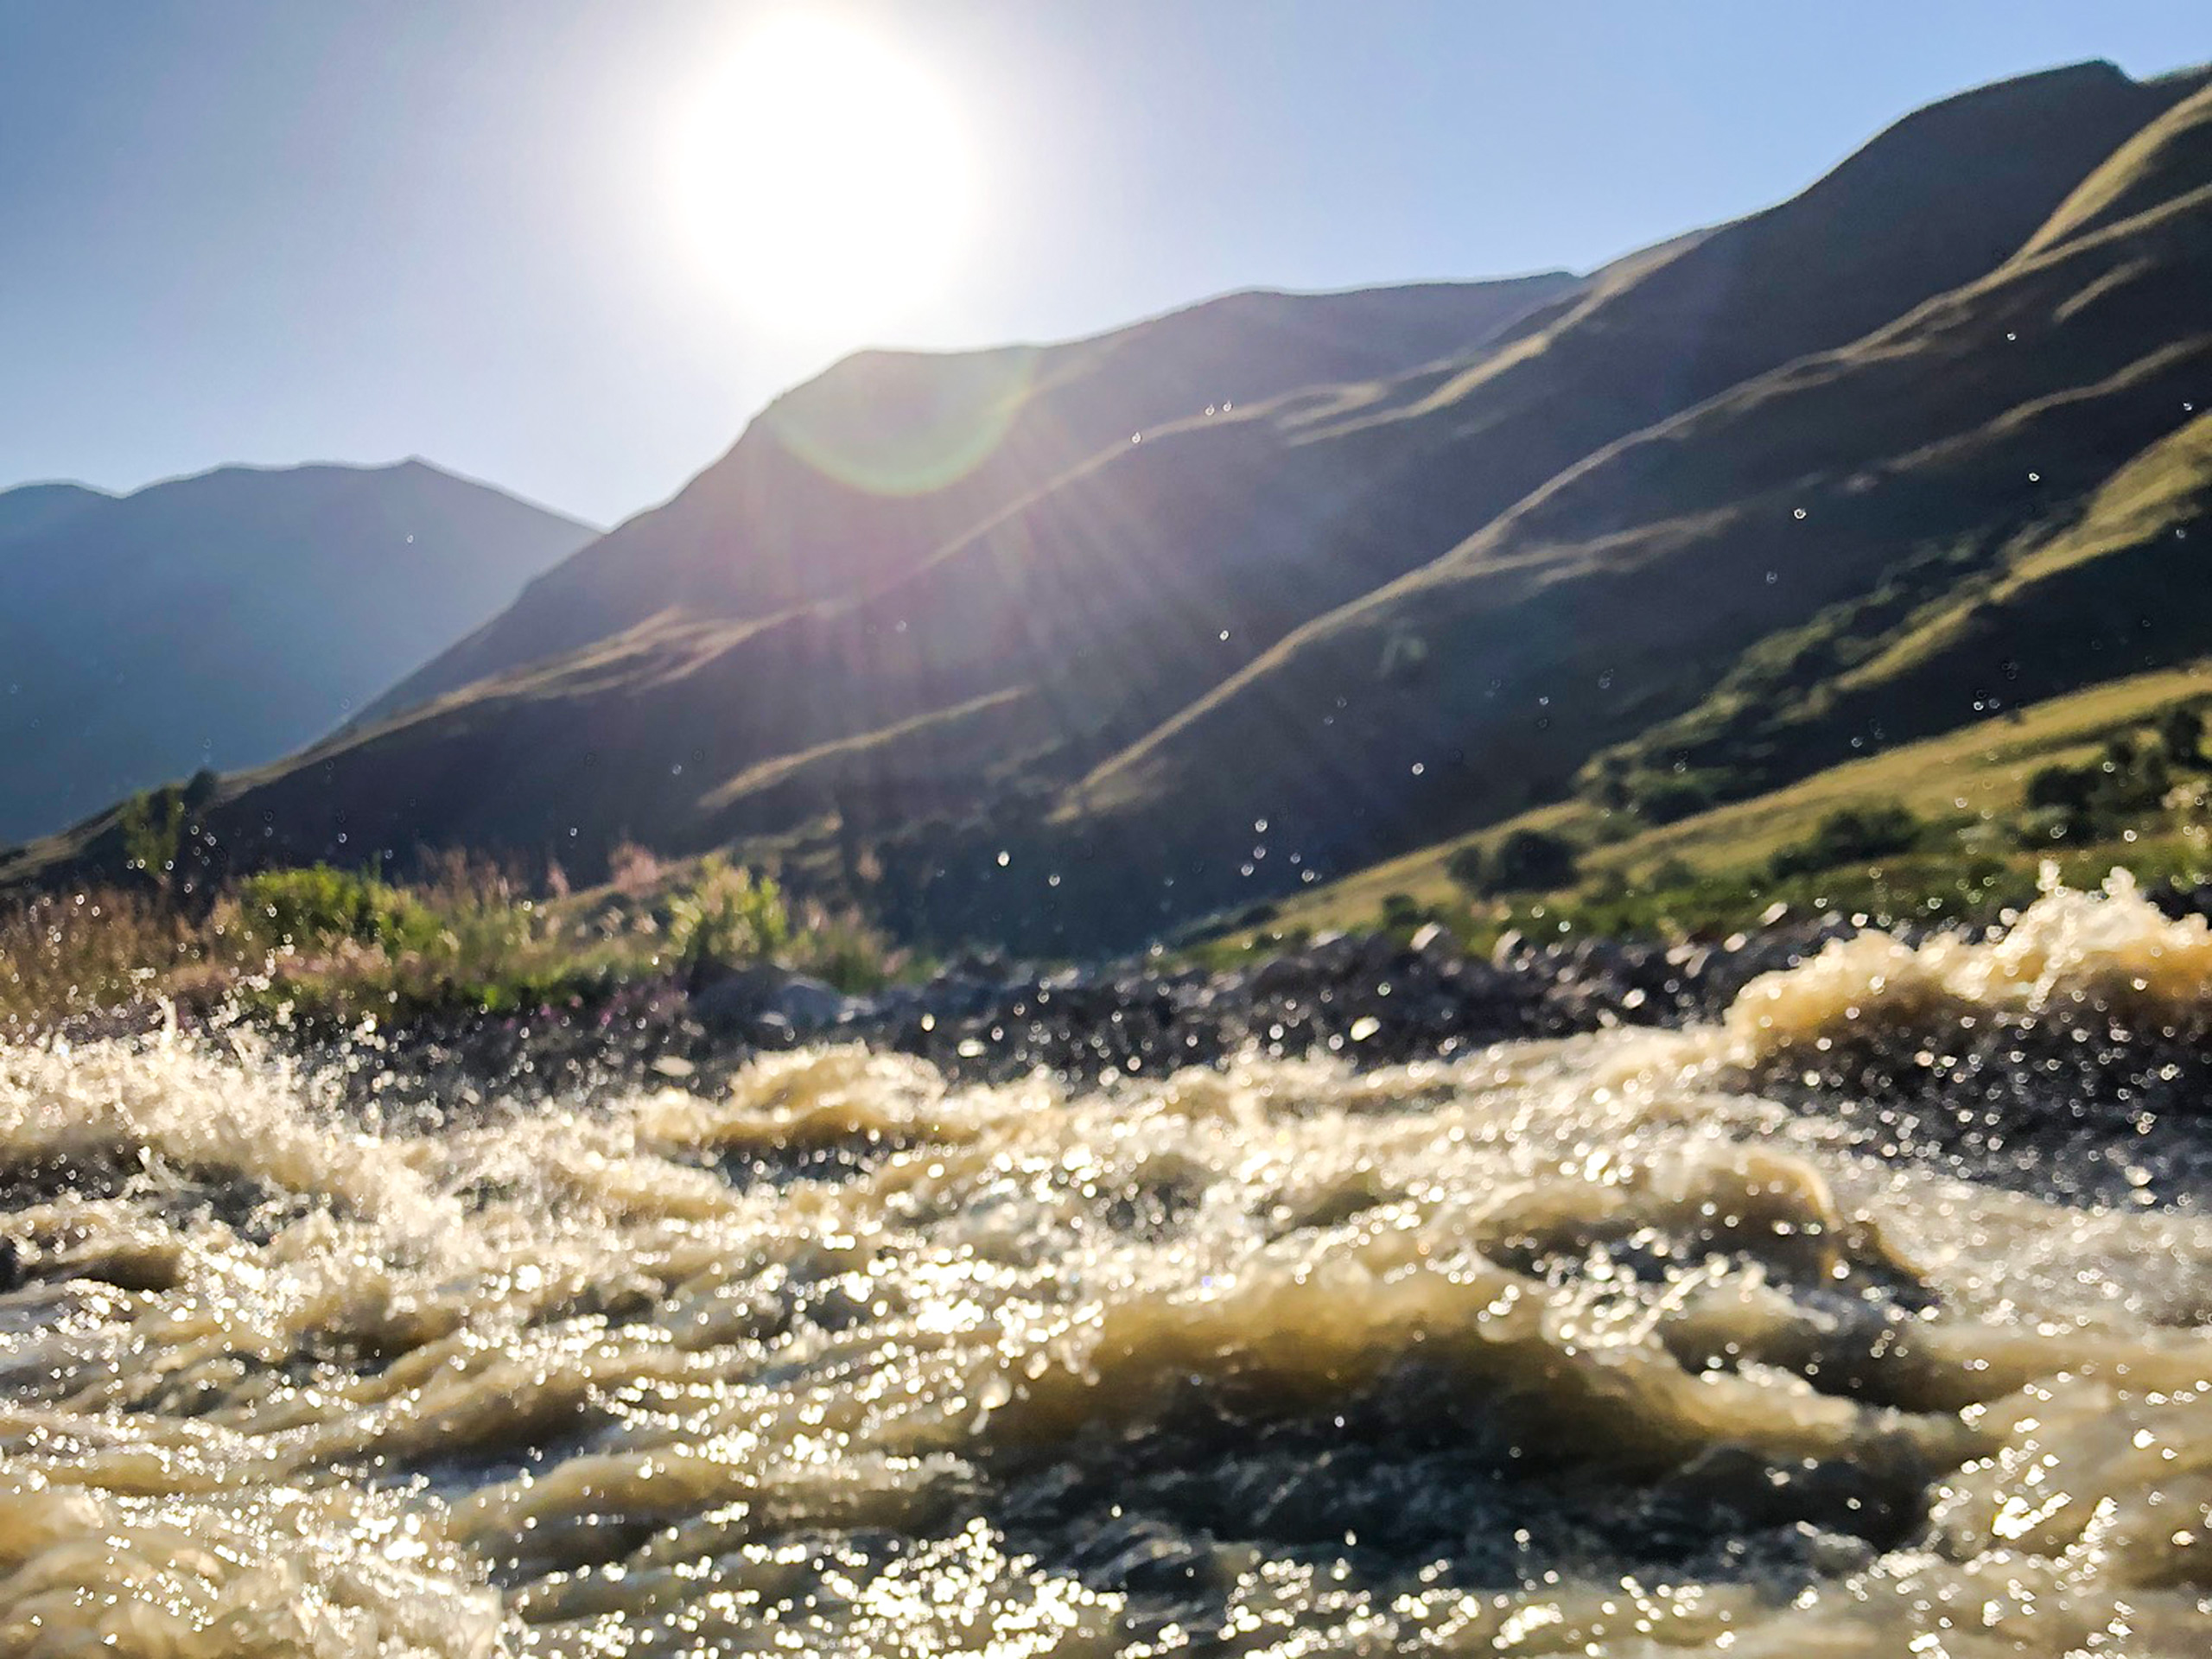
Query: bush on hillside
(1402,912)
(728,915)
(2181,736)
(1467,868)
(152,823)
(321,905)
(1531,861)
(1850,835)
(1669,796)
(2085,803)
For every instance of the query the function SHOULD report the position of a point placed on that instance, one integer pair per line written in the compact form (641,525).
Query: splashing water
(1744,1339)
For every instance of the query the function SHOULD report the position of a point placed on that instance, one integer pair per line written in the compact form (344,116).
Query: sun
(824,178)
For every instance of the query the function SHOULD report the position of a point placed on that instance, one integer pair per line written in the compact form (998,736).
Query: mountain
(34,507)
(851,480)
(223,620)
(1975,424)
(939,632)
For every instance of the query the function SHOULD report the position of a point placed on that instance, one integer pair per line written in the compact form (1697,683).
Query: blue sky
(270,231)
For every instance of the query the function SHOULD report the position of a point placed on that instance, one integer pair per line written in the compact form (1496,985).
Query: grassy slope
(2166,490)
(2116,588)
(2124,585)
(1974,773)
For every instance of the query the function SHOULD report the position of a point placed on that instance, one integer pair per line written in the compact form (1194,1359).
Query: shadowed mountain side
(222,619)
(1971,177)
(1619,591)
(2125,587)
(853,479)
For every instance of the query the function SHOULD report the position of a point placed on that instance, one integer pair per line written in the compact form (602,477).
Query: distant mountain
(35,507)
(223,620)
(1055,646)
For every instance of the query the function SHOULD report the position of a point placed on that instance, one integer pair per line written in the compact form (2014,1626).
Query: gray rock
(730,1004)
(769,1004)
(810,1005)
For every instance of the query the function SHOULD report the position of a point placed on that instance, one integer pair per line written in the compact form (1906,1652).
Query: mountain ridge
(838,446)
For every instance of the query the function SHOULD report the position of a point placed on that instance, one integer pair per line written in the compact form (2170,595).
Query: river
(1874,1319)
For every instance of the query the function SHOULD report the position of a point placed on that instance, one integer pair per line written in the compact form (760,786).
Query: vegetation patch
(335,947)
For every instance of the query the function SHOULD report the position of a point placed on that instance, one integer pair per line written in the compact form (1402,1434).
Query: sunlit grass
(1711,871)
(338,947)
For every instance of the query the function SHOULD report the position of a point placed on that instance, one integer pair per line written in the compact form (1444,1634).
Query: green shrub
(2180,734)
(1670,796)
(728,915)
(1850,835)
(1467,868)
(152,823)
(322,905)
(2065,788)
(1531,861)
(1402,912)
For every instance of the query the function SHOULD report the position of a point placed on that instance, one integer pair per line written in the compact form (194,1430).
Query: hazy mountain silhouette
(222,619)
(34,507)
(931,610)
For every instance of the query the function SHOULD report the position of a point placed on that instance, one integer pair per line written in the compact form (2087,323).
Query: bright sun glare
(827,180)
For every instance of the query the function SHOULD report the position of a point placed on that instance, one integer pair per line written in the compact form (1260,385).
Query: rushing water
(1877,1321)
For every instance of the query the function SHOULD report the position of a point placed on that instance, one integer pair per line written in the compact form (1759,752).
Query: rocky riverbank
(1373,1000)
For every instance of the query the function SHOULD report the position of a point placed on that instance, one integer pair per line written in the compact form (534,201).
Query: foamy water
(1632,1344)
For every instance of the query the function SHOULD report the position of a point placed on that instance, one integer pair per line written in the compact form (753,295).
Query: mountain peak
(228,617)
(31,507)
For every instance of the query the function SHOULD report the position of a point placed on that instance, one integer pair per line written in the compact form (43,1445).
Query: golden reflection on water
(1585,1347)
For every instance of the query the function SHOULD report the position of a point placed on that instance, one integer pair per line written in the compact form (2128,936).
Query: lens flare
(906,425)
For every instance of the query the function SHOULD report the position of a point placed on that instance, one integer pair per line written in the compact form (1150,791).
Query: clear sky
(275,231)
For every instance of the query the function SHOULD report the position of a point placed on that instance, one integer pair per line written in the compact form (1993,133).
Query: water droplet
(1798,513)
